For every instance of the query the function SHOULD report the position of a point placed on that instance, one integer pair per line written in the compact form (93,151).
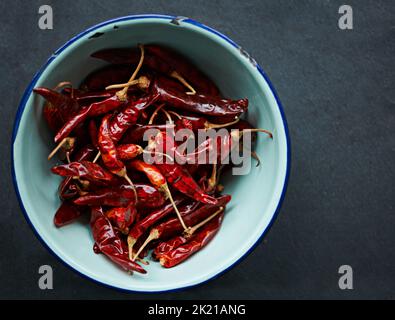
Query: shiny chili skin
(122,217)
(93,110)
(129,115)
(122,196)
(86,170)
(196,243)
(172,227)
(152,172)
(165,247)
(128,151)
(153,217)
(201,104)
(67,213)
(58,107)
(107,147)
(83,97)
(108,242)
(178,176)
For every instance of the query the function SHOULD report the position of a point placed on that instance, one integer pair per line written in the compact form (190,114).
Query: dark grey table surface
(338,92)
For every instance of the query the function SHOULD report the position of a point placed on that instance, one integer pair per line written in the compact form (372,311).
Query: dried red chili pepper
(173,226)
(122,196)
(165,247)
(199,241)
(129,151)
(88,97)
(122,217)
(109,243)
(144,224)
(206,105)
(67,213)
(136,134)
(177,176)
(58,108)
(195,122)
(129,115)
(86,170)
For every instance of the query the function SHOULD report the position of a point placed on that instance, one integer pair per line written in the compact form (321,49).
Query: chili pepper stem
(154,234)
(167,190)
(209,125)
(131,241)
(122,94)
(155,113)
(258,130)
(255,156)
(61,144)
(68,157)
(97,157)
(142,81)
(212,181)
(159,154)
(177,76)
(176,114)
(124,175)
(168,116)
(192,230)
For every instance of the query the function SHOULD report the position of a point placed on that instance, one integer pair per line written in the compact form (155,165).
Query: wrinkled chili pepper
(200,240)
(122,196)
(93,110)
(172,227)
(129,115)
(165,247)
(129,151)
(153,217)
(85,170)
(206,105)
(122,217)
(108,150)
(109,243)
(58,108)
(178,176)
(67,213)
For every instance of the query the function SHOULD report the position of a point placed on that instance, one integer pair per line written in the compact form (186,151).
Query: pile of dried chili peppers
(100,129)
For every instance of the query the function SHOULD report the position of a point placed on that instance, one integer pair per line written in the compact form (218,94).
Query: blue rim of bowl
(28,92)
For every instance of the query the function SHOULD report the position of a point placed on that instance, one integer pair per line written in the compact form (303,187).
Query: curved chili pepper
(83,97)
(129,115)
(153,217)
(196,243)
(85,170)
(67,213)
(173,227)
(122,196)
(93,110)
(107,148)
(206,105)
(109,243)
(178,176)
(122,217)
(164,247)
(58,108)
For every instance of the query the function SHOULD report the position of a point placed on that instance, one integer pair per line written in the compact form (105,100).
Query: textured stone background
(337,88)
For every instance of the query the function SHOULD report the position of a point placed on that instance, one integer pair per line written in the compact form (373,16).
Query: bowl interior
(255,196)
